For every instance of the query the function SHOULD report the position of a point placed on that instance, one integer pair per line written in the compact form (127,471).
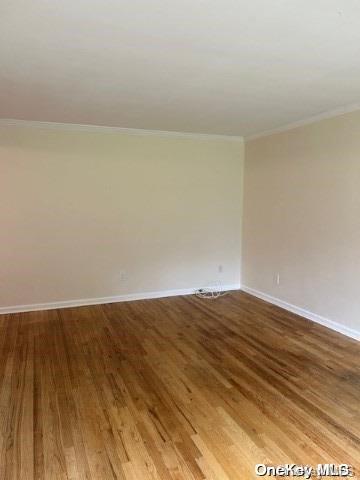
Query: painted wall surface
(88,215)
(302,218)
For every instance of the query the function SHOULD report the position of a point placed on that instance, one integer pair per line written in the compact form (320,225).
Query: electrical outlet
(220,268)
(122,275)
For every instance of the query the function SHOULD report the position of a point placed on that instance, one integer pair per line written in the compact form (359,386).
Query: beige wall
(302,218)
(77,209)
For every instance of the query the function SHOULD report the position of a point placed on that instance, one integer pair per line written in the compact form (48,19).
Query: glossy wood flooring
(177,388)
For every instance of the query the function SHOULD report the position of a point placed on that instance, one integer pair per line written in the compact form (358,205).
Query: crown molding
(306,121)
(9,122)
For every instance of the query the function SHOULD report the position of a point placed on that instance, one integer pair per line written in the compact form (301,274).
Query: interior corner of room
(94,215)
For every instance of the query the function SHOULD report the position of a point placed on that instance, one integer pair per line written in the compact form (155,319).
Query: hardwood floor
(177,388)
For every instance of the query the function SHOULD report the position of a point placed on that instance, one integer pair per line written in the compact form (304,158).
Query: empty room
(179,239)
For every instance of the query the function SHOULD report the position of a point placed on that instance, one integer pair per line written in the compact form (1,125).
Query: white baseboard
(349,332)
(102,300)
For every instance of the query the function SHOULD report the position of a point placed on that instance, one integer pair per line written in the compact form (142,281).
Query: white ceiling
(230,67)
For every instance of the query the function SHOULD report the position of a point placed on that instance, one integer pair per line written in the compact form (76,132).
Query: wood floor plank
(174,389)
